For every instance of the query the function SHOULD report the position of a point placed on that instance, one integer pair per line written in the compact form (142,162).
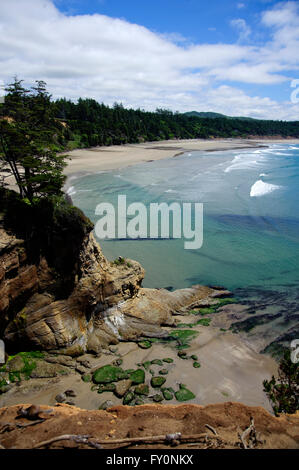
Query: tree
(283,392)
(28,141)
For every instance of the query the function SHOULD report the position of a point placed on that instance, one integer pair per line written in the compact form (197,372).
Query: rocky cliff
(59,292)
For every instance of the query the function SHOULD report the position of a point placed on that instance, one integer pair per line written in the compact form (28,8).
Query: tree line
(90,123)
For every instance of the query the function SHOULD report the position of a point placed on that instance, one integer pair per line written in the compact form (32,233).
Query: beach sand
(83,161)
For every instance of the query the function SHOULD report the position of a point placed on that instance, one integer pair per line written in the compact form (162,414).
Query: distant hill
(212,115)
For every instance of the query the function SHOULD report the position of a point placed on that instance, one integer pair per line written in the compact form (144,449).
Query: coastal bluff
(59,293)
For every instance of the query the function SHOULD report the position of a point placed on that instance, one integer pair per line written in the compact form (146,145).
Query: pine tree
(28,135)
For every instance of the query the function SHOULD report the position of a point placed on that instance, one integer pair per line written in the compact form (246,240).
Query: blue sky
(235,57)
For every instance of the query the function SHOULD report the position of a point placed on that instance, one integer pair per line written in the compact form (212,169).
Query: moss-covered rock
(106,388)
(137,377)
(107,374)
(194,357)
(167,394)
(157,382)
(145,344)
(129,396)
(183,394)
(182,355)
(168,360)
(163,372)
(158,398)
(196,364)
(158,362)
(142,389)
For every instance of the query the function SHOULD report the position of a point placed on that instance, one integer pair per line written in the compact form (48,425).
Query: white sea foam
(71,191)
(260,188)
(241,162)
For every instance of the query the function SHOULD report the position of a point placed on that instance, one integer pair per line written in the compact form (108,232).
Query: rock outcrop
(105,305)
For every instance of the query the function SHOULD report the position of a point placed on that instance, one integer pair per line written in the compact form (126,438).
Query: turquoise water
(251,217)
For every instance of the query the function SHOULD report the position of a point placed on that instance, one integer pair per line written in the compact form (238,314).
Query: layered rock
(106,304)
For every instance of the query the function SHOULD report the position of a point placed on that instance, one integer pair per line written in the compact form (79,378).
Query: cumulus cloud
(242,27)
(110,59)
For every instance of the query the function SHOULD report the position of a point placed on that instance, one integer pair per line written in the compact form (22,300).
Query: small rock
(105,405)
(157,362)
(167,394)
(72,403)
(60,398)
(157,382)
(113,349)
(163,372)
(168,360)
(128,398)
(85,364)
(81,370)
(145,344)
(118,362)
(194,357)
(157,398)
(196,365)
(70,393)
(122,387)
(142,389)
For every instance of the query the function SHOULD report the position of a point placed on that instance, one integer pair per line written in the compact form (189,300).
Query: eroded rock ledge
(105,305)
(116,426)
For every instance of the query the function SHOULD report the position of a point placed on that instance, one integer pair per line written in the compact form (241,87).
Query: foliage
(283,392)
(90,124)
(29,135)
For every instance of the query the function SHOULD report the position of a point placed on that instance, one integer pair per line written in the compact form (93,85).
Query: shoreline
(102,159)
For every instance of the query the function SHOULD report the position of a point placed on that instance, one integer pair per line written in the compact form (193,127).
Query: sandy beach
(120,156)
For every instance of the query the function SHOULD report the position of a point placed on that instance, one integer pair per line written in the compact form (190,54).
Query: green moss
(157,382)
(106,388)
(183,337)
(183,394)
(224,301)
(86,378)
(163,372)
(182,355)
(107,374)
(204,322)
(168,360)
(194,357)
(158,362)
(158,398)
(167,394)
(142,389)
(207,310)
(146,365)
(137,377)
(128,398)
(196,365)
(145,344)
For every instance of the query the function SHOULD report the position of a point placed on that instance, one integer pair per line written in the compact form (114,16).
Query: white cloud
(240,5)
(111,60)
(242,27)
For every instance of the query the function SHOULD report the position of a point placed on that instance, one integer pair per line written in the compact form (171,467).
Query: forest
(89,123)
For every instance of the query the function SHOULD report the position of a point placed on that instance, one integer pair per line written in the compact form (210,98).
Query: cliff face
(106,303)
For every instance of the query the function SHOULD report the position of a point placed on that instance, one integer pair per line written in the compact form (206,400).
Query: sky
(240,58)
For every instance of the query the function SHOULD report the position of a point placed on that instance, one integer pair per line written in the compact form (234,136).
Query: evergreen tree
(28,141)
(283,392)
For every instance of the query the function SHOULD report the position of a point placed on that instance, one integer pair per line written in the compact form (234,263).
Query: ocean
(250,223)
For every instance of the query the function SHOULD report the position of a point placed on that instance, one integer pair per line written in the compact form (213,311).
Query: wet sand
(119,156)
(230,371)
